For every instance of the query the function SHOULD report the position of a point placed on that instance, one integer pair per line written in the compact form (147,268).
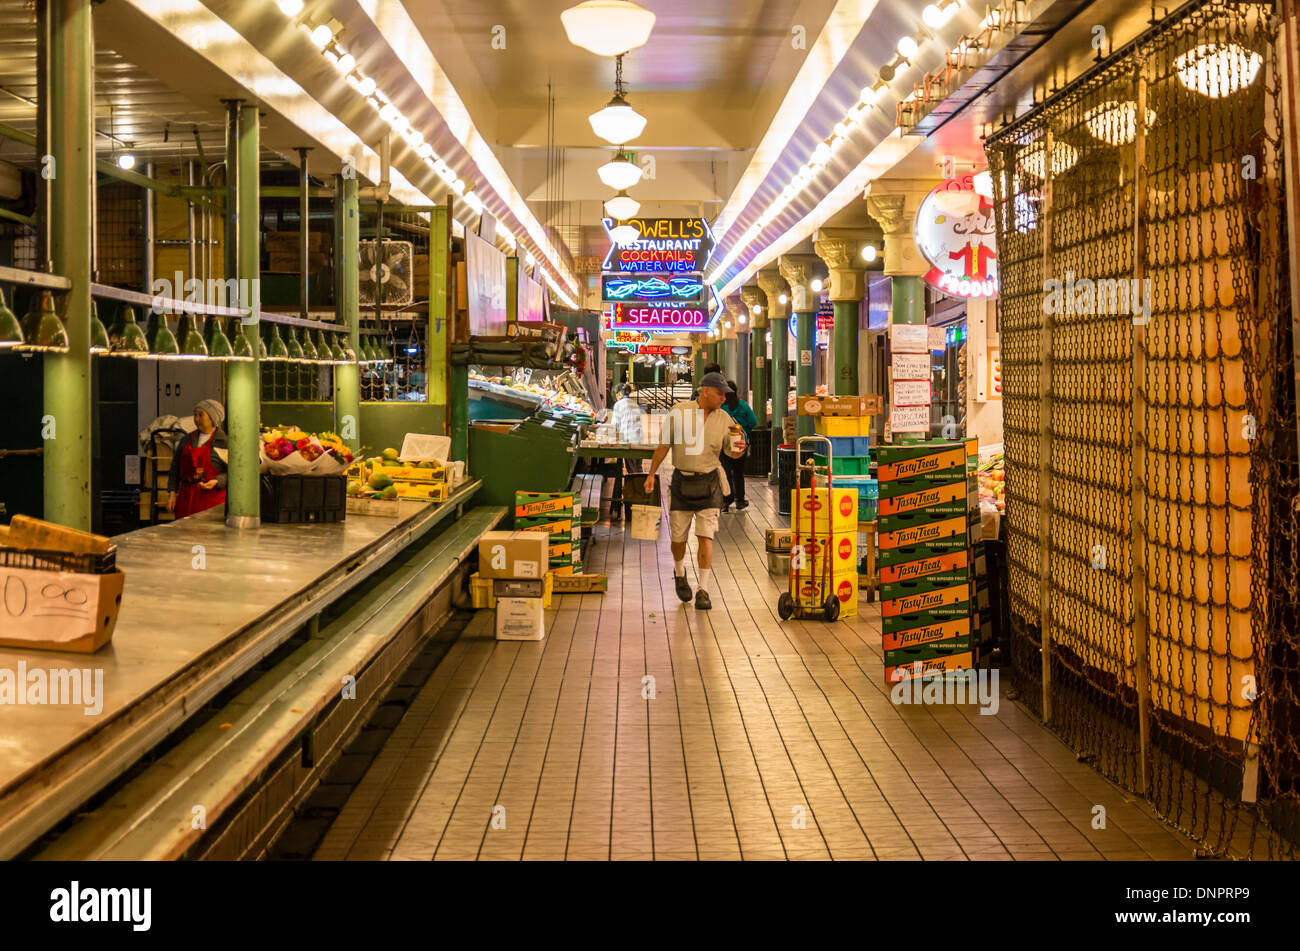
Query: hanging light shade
(624,234)
(127,338)
(293,347)
(42,329)
(619,174)
(11,331)
(617,122)
(1217,69)
(309,351)
(219,345)
(241,349)
(376,357)
(191,341)
(276,349)
(323,351)
(345,342)
(622,206)
(263,353)
(162,342)
(607,27)
(98,333)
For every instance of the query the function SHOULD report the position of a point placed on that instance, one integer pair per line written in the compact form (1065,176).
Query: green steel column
(908,307)
(780,330)
(244,377)
(347,308)
(616,368)
(805,380)
(844,379)
(699,358)
(66,424)
(458,397)
(758,373)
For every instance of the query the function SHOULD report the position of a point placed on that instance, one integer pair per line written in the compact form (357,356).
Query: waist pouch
(694,493)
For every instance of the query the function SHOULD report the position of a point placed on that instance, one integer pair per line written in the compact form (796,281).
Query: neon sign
(687,289)
(672,318)
(954,232)
(664,246)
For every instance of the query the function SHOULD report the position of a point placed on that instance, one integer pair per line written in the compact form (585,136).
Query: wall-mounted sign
(911,366)
(682,289)
(911,393)
(630,336)
(954,232)
(625,347)
(665,246)
(825,318)
(654,350)
(909,338)
(909,419)
(671,318)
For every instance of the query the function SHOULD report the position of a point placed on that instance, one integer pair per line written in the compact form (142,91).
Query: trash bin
(759,457)
(785,476)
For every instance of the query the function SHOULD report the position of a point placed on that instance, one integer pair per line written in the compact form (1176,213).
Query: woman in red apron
(198,473)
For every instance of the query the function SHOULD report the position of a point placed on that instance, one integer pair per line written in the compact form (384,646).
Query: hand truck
(788,605)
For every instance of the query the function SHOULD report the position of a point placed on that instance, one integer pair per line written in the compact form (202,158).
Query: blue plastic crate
(850,445)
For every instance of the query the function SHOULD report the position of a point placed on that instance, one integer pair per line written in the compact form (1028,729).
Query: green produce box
(910,655)
(902,622)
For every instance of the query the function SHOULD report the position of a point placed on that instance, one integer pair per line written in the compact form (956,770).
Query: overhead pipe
(304,216)
(147,228)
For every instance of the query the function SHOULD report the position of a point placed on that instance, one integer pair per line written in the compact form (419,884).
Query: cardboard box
(811,593)
(909,602)
(423,491)
(935,650)
(811,506)
(519,587)
(540,503)
(919,528)
(580,584)
(520,619)
(405,471)
(920,668)
(480,592)
(843,548)
(947,461)
(905,554)
(512,555)
(947,497)
(938,615)
(927,634)
(810,405)
(88,609)
(779,539)
(563,527)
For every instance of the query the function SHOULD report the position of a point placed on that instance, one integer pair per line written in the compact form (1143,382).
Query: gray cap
(717,381)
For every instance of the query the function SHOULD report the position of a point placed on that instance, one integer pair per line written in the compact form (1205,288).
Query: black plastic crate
(39,559)
(304,498)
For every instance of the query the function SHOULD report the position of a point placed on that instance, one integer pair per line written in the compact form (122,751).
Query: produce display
(388,477)
(539,392)
(992,477)
(287,450)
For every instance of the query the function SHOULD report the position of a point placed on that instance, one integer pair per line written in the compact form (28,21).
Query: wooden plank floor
(763,740)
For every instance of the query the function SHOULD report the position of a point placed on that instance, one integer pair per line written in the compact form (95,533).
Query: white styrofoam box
(520,619)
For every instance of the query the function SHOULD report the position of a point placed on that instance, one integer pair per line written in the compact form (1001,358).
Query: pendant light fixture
(345,342)
(293,347)
(276,351)
(309,351)
(98,333)
(624,234)
(11,331)
(323,349)
(127,338)
(42,329)
(162,342)
(622,206)
(191,341)
(339,356)
(219,345)
(621,173)
(239,343)
(618,122)
(607,27)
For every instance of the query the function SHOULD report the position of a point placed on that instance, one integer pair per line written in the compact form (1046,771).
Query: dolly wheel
(785,606)
(832,607)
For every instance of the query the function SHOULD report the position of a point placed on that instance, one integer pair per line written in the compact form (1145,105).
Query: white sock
(679,568)
(706,577)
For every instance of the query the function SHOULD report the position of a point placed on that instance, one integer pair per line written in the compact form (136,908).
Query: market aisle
(763,740)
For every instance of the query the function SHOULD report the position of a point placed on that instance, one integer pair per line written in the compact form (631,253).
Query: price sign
(909,419)
(911,366)
(909,338)
(911,392)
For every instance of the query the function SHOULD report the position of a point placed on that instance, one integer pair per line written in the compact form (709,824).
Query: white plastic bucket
(645,522)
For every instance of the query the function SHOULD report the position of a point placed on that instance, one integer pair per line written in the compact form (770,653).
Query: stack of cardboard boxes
(423,480)
(927,569)
(824,548)
(515,564)
(559,516)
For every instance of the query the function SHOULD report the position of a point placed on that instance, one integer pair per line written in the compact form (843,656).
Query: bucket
(645,522)
(778,562)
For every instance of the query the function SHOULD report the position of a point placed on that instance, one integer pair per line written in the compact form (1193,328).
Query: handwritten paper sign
(57,608)
(911,366)
(909,338)
(911,392)
(909,419)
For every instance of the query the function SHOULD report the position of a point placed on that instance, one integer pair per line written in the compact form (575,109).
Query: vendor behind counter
(198,471)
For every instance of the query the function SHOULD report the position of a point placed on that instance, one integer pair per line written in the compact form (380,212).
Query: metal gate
(1150,424)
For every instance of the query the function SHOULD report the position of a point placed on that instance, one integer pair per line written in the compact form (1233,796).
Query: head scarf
(216,412)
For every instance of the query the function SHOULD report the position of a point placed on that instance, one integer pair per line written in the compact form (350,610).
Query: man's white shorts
(679,523)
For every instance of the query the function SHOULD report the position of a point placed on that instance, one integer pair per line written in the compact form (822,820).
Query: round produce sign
(954,232)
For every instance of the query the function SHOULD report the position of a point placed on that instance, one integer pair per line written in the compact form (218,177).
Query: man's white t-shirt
(696,440)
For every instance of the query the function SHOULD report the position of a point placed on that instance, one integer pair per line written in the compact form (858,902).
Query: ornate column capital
(893,204)
(736,309)
(841,249)
(799,270)
(753,296)
(775,287)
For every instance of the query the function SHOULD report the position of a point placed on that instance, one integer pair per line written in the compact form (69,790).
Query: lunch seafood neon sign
(685,289)
(663,246)
(673,318)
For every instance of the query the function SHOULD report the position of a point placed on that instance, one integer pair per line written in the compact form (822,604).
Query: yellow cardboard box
(809,510)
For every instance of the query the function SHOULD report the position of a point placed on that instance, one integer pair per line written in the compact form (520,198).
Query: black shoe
(726,508)
(741,505)
(702,602)
(683,587)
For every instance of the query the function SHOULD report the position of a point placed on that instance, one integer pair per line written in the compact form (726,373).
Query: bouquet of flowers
(287,450)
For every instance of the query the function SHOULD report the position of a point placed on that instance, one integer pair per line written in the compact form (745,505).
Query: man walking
(696,431)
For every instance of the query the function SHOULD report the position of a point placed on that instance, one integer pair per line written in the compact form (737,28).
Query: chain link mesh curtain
(1150,424)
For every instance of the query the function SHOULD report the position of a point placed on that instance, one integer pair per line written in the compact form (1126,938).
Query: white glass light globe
(907,47)
(321,36)
(126,161)
(617,123)
(607,27)
(622,206)
(869,253)
(784,299)
(625,234)
(619,174)
(816,285)
(290,8)
(367,86)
